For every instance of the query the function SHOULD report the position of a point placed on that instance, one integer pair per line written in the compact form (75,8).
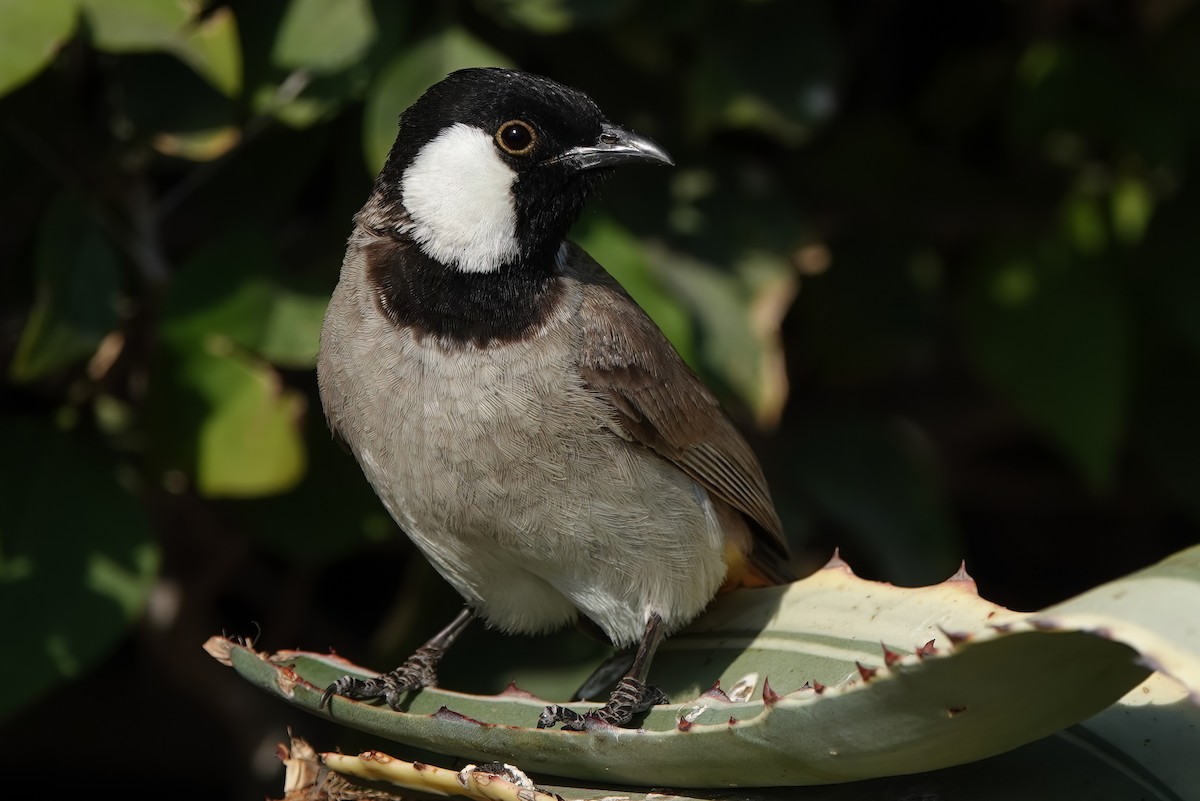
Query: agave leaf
(865,680)
(1141,747)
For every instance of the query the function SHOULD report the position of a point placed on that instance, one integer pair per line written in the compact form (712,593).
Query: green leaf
(910,680)
(249,444)
(624,256)
(324,35)
(1141,747)
(31,34)
(740,313)
(232,288)
(292,330)
(209,46)
(130,26)
(212,48)
(77,293)
(217,409)
(1051,334)
(77,561)
(407,77)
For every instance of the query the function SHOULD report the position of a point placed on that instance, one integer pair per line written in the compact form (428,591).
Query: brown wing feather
(663,405)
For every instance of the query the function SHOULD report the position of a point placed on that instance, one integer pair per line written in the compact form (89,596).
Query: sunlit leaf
(77,561)
(213,49)
(324,35)
(232,288)
(249,442)
(77,293)
(407,77)
(124,26)
(829,679)
(210,45)
(30,35)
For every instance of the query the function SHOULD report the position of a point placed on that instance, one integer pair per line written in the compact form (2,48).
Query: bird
(522,419)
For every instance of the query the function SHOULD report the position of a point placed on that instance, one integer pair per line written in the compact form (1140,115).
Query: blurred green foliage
(939,259)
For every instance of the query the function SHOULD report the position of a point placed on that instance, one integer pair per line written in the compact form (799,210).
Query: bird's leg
(631,697)
(605,676)
(419,670)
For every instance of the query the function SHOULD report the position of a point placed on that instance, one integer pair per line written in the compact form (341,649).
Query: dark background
(939,259)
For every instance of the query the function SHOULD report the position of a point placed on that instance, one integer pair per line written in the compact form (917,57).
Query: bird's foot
(631,697)
(419,670)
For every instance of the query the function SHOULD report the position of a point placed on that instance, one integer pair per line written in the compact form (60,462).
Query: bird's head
(491,167)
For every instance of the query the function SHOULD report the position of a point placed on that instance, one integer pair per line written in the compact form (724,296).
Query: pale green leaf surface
(30,35)
(1141,747)
(124,26)
(408,75)
(1008,679)
(210,46)
(1155,611)
(324,35)
(249,443)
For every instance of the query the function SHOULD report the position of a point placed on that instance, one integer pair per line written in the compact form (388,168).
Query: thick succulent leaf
(1141,747)
(865,680)
(1156,611)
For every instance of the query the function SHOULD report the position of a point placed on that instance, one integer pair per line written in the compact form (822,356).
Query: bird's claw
(631,697)
(419,670)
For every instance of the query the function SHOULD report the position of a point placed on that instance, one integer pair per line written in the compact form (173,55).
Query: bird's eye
(516,137)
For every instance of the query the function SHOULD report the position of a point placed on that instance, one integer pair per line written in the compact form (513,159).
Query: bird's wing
(660,403)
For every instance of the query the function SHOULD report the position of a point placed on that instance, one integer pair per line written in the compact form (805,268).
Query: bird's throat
(468,308)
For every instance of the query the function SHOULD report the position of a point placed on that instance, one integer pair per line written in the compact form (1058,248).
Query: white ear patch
(458,192)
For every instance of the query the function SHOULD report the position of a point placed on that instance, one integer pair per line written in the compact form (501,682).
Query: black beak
(615,146)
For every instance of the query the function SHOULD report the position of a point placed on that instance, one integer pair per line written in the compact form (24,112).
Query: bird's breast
(505,470)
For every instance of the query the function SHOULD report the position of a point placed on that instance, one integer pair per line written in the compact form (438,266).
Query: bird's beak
(615,146)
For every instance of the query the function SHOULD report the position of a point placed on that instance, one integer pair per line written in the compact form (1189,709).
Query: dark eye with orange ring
(516,137)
